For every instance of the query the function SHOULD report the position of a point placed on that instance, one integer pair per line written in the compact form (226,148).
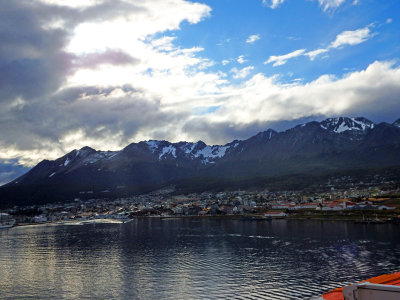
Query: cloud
(241,59)
(352,38)
(330,4)
(241,73)
(252,38)
(279,60)
(326,5)
(263,102)
(272,3)
(96,59)
(313,54)
(346,38)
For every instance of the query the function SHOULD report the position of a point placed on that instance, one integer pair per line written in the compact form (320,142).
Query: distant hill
(306,151)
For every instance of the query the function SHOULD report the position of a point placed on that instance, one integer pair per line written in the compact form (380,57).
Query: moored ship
(6,221)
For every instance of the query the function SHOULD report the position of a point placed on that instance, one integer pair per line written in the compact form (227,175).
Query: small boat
(6,221)
(383,287)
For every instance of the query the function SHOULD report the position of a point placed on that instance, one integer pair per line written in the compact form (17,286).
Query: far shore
(358,218)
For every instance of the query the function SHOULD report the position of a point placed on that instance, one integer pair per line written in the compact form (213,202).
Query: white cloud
(72,3)
(346,38)
(352,37)
(282,59)
(241,59)
(388,21)
(326,5)
(272,3)
(313,54)
(241,73)
(225,62)
(252,38)
(330,4)
(365,92)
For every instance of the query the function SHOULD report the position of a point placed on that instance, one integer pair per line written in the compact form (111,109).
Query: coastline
(245,218)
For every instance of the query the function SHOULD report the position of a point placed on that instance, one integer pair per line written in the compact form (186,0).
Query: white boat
(6,221)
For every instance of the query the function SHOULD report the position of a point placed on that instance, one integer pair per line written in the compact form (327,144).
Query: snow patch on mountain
(168,150)
(266,135)
(188,147)
(211,152)
(95,157)
(339,125)
(153,145)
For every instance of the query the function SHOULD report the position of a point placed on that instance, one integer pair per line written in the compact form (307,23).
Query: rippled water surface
(193,259)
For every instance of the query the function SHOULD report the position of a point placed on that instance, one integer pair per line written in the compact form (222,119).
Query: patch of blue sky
(10,169)
(294,25)
(204,110)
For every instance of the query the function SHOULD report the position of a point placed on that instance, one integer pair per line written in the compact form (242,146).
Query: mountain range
(312,149)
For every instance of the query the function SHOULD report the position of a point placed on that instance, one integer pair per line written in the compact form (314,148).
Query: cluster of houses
(342,204)
(164,203)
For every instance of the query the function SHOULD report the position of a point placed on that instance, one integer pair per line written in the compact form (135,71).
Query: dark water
(192,259)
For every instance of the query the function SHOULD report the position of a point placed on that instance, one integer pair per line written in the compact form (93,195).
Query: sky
(106,73)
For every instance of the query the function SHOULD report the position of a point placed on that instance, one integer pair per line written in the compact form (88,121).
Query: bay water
(193,258)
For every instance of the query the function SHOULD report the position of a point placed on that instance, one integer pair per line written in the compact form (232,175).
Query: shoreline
(245,218)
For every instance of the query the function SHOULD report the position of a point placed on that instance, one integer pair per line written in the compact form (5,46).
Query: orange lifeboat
(389,279)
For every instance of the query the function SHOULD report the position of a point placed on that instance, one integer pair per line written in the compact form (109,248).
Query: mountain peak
(87,149)
(342,124)
(266,135)
(396,123)
(200,144)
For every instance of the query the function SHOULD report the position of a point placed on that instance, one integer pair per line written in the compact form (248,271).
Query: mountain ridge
(334,144)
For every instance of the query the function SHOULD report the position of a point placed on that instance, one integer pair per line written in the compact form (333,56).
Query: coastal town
(338,199)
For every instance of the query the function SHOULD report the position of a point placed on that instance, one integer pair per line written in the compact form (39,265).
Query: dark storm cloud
(92,110)
(34,65)
(112,57)
(32,60)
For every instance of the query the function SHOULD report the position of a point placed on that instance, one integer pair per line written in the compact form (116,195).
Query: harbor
(193,257)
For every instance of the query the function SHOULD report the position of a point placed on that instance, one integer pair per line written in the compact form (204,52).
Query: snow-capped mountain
(335,144)
(206,154)
(339,125)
